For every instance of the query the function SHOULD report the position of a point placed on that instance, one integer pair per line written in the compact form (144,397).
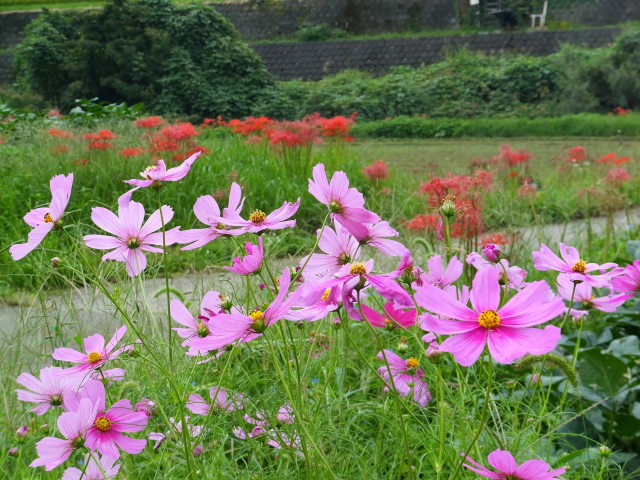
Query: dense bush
(582,125)
(463,85)
(183,59)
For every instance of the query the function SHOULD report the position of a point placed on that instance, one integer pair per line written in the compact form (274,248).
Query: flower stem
(166,276)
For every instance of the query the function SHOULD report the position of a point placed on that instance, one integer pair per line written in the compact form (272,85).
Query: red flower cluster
(100,140)
(56,132)
(618,176)
(149,122)
(496,238)
(423,222)
(575,154)
(620,111)
(461,186)
(510,157)
(312,129)
(132,152)
(613,159)
(376,171)
(178,138)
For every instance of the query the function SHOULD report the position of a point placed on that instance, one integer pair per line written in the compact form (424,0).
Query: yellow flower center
(335,207)
(202,330)
(48,218)
(258,321)
(358,269)
(257,216)
(389,324)
(133,243)
(103,424)
(580,266)
(412,363)
(94,357)
(489,319)
(147,171)
(56,400)
(325,295)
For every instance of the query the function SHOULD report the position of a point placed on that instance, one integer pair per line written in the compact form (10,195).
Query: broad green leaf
(601,371)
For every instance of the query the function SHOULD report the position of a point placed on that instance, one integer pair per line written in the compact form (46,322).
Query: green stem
(483,415)
(166,276)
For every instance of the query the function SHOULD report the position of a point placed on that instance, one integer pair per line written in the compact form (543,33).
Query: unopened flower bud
(226,303)
(44,428)
(12,452)
(197,451)
(448,206)
(402,346)
(337,323)
(492,252)
(22,433)
(55,262)
(604,451)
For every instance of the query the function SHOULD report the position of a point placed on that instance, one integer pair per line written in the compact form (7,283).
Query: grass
(261,172)
(580,125)
(347,426)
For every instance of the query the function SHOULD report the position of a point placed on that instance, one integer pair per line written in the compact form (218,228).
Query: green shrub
(583,125)
(175,59)
(319,33)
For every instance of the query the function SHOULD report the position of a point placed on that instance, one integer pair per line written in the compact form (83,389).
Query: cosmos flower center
(258,321)
(580,266)
(147,171)
(412,363)
(257,216)
(358,269)
(78,442)
(489,319)
(48,218)
(103,424)
(56,400)
(389,324)
(202,330)
(133,243)
(221,226)
(335,207)
(325,295)
(94,357)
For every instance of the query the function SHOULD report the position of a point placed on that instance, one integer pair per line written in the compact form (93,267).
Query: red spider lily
(612,158)
(423,222)
(620,111)
(511,157)
(376,171)
(149,122)
(618,176)
(101,135)
(575,154)
(81,161)
(459,185)
(56,132)
(132,151)
(98,145)
(496,238)
(179,131)
(54,113)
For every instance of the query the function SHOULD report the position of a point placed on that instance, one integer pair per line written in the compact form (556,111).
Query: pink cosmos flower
(492,252)
(251,262)
(51,390)
(132,238)
(393,316)
(358,276)
(207,211)
(629,279)
(93,471)
(223,401)
(258,220)
(507,467)
(275,437)
(147,406)
(106,432)
(158,173)
(511,276)
(73,426)
(584,295)
(339,248)
(228,328)
(200,328)
(506,330)
(571,264)
(96,356)
(44,219)
(345,204)
(407,272)
(437,276)
(310,307)
(377,236)
(433,347)
(406,377)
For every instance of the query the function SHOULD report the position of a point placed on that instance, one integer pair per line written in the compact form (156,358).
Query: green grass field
(569,409)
